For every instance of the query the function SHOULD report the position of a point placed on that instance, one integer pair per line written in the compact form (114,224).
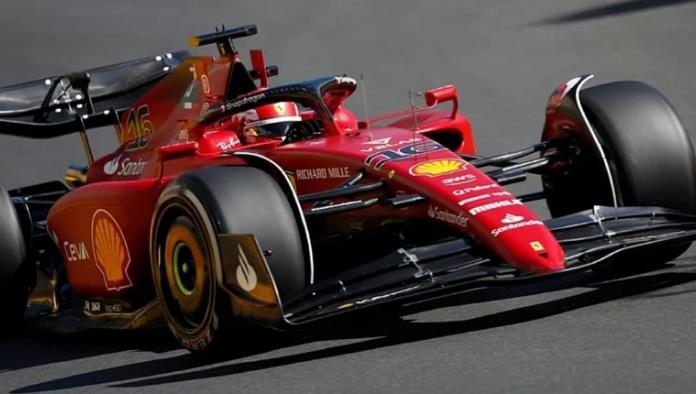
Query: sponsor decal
(432,168)
(131,167)
(75,251)
(111,166)
(510,218)
(241,102)
(205,84)
(127,167)
(279,108)
(377,160)
(385,143)
(304,174)
(494,205)
(345,80)
(231,143)
(537,246)
(246,276)
(514,226)
(113,308)
(92,307)
(480,197)
(379,142)
(137,128)
(461,192)
(447,216)
(472,199)
(183,135)
(458,180)
(110,251)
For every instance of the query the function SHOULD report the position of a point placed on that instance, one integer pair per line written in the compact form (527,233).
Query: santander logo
(127,167)
(111,166)
(246,275)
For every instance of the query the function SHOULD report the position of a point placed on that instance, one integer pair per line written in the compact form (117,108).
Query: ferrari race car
(229,200)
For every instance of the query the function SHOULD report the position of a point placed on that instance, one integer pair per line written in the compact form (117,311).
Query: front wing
(589,238)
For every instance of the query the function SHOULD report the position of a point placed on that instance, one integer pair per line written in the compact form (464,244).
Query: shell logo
(433,168)
(110,251)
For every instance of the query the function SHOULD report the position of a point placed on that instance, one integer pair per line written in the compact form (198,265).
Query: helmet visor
(272,130)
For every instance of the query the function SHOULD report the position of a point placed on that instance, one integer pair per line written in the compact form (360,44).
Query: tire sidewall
(645,159)
(177,195)
(645,147)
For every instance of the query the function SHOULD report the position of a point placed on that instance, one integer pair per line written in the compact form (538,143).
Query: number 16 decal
(137,127)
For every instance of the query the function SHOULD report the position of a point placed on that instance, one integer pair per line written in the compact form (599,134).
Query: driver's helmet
(271,120)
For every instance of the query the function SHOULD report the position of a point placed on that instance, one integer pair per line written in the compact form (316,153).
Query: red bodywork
(103,227)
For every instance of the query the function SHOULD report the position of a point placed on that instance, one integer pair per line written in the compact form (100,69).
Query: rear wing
(74,102)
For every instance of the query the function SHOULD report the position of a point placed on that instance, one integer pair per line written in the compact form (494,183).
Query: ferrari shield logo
(537,246)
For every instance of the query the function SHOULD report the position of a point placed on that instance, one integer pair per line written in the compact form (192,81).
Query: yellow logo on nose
(280,108)
(537,246)
(437,167)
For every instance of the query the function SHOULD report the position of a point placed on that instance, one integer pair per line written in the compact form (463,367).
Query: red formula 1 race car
(229,200)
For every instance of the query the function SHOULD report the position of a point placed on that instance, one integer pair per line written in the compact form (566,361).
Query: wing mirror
(442,94)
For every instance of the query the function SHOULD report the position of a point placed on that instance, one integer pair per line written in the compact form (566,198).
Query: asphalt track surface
(580,334)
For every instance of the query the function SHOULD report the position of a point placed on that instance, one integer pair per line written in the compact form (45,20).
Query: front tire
(183,270)
(649,155)
(186,260)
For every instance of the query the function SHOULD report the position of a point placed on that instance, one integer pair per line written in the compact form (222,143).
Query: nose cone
(536,252)
(543,263)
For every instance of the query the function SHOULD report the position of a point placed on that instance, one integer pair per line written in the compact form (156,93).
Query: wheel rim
(185,275)
(184,267)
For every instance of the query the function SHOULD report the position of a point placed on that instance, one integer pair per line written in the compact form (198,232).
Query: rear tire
(647,149)
(190,213)
(14,270)
(14,296)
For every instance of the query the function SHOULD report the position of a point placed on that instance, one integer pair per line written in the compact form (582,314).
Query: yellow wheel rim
(186,267)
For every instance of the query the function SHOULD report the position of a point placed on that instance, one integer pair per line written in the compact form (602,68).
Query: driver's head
(271,120)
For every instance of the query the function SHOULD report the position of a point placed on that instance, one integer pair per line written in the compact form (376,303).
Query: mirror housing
(442,94)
